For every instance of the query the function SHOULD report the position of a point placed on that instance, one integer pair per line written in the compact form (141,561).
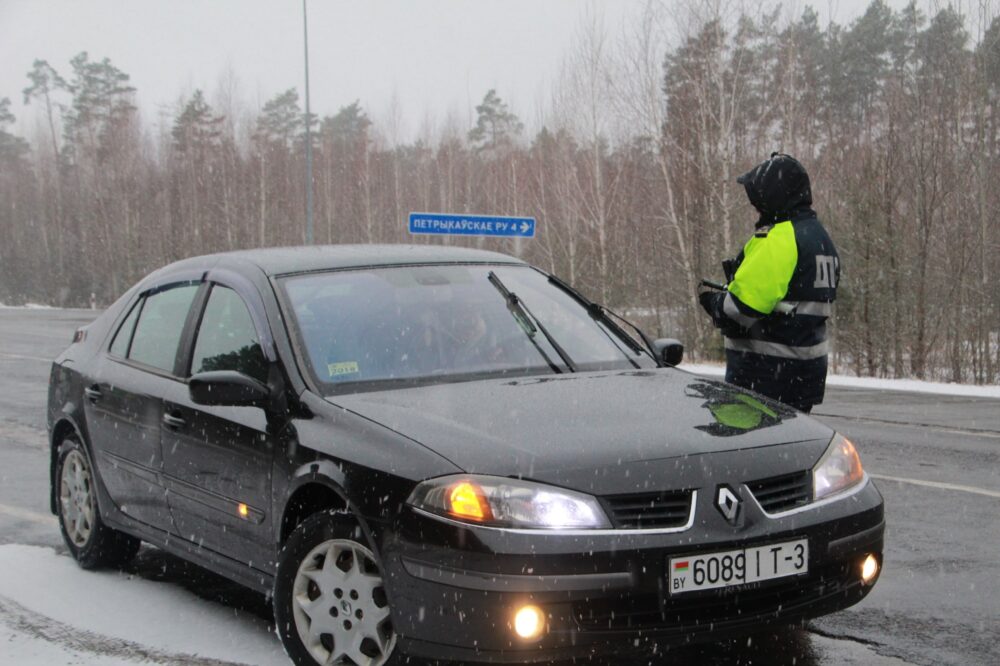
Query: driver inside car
(475,344)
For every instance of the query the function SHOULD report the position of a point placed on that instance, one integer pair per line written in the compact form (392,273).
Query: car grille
(780,493)
(717,609)
(650,510)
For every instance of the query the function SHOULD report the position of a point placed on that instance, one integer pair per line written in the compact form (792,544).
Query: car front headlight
(838,469)
(500,502)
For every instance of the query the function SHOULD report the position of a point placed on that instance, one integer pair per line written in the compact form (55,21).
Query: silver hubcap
(340,608)
(76,499)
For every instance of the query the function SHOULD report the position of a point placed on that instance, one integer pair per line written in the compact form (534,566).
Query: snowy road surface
(936,458)
(50,613)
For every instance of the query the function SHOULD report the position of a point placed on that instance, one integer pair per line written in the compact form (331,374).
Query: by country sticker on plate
(737,567)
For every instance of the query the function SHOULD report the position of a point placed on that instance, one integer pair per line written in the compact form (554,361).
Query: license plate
(737,567)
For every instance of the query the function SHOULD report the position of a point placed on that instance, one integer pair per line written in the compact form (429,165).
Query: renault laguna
(446,453)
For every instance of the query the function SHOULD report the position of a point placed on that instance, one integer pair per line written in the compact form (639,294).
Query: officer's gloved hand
(711,301)
(729,269)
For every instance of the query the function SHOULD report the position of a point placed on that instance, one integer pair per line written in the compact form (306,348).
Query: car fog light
(529,622)
(869,569)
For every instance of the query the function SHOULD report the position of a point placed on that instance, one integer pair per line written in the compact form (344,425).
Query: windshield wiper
(608,317)
(614,334)
(530,324)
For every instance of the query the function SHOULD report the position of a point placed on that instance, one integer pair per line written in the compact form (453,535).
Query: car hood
(570,429)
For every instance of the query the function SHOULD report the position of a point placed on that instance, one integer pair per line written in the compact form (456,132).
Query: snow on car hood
(566,429)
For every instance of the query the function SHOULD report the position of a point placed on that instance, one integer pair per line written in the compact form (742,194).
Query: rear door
(217,460)
(124,401)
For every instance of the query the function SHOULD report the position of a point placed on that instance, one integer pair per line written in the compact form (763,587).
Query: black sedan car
(445,453)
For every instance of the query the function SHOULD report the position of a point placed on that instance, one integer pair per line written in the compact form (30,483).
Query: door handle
(173,422)
(93,393)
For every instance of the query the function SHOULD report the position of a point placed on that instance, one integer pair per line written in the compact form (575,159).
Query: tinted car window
(227,339)
(159,328)
(425,321)
(120,345)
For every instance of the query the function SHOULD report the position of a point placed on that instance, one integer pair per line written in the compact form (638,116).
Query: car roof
(312,258)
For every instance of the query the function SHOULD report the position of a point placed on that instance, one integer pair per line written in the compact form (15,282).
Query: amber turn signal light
(466,500)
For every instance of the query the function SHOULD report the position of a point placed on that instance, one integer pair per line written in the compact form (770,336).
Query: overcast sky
(434,57)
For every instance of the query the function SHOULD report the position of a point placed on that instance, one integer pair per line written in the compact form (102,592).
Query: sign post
(443,224)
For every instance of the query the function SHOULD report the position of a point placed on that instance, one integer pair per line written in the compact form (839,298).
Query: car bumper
(455,589)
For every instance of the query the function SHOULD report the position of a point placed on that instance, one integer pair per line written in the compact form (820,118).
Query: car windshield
(368,328)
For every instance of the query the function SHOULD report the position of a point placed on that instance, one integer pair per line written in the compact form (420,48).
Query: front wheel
(330,604)
(92,543)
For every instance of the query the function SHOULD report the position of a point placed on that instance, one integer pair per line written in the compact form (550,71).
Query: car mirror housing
(669,351)
(228,388)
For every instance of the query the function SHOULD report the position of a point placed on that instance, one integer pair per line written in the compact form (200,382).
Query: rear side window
(160,325)
(120,345)
(227,339)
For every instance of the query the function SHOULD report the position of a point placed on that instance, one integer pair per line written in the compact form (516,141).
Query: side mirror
(223,388)
(669,351)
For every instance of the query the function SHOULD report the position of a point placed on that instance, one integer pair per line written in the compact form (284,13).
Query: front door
(217,460)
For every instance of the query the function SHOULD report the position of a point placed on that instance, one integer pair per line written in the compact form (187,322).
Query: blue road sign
(472,225)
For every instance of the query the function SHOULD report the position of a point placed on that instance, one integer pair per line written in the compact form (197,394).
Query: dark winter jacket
(781,291)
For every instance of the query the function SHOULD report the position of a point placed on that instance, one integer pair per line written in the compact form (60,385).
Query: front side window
(227,339)
(161,322)
(422,322)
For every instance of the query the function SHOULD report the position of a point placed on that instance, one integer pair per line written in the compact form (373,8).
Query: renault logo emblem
(728,503)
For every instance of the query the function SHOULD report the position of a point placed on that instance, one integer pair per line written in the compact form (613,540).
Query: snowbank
(52,612)
(905,385)
(27,306)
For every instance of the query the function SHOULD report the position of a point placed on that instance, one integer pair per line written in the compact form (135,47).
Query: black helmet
(777,187)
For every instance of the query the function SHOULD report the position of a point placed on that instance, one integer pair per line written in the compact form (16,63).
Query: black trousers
(798,383)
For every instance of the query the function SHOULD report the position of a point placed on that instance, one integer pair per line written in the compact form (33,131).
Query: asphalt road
(936,460)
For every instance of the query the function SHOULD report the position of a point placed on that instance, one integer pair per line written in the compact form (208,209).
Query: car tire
(330,605)
(92,544)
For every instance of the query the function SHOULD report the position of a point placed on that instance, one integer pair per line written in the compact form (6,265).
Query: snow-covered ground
(53,612)
(910,385)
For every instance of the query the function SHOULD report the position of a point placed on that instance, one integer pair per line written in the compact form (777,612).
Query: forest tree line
(631,177)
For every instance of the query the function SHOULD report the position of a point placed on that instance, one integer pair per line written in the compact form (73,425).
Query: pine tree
(101,105)
(45,83)
(496,127)
(13,148)
(101,145)
(18,242)
(346,179)
(197,129)
(280,121)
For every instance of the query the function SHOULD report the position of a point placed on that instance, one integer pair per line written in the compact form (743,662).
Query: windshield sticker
(343,368)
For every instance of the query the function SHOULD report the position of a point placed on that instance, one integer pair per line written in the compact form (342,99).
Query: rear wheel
(92,543)
(330,604)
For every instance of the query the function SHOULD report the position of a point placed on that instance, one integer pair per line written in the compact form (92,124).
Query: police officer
(780,291)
